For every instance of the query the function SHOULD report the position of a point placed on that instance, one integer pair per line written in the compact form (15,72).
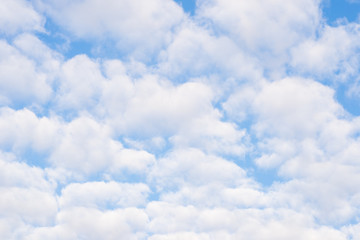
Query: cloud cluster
(230,123)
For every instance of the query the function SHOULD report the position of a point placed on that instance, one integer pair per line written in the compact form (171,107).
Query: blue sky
(188,5)
(335,9)
(170,119)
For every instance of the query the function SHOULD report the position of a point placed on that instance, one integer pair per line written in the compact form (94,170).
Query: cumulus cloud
(284,111)
(18,16)
(329,55)
(103,195)
(266,29)
(195,51)
(139,25)
(89,223)
(20,81)
(79,81)
(193,167)
(22,130)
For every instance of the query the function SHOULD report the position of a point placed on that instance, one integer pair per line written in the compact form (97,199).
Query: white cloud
(196,51)
(16,174)
(180,235)
(80,83)
(177,221)
(245,195)
(353,231)
(86,147)
(213,136)
(141,25)
(298,123)
(18,16)
(182,113)
(332,54)
(155,104)
(46,59)
(20,80)
(27,198)
(90,223)
(266,29)
(22,130)
(134,161)
(193,167)
(285,108)
(37,207)
(82,146)
(103,195)
(309,139)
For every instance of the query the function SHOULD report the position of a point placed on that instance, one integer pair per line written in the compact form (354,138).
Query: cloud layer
(236,122)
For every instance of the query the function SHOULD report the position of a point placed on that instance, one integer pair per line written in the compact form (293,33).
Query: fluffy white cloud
(37,207)
(178,221)
(193,167)
(141,25)
(184,113)
(20,81)
(353,231)
(22,130)
(47,60)
(16,174)
(103,195)
(86,147)
(81,146)
(332,54)
(27,194)
(195,51)
(307,136)
(310,151)
(245,195)
(90,223)
(156,104)
(19,15)
(284,108)
(80,83)
(266,29)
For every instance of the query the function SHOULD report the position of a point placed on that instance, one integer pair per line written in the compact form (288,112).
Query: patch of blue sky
(334,10)
(68,45)
(5,37)
(265,176)
(34,158)
(58,39)
(54,37)
(124,175)
(154,195)
(349,101)
(189,6)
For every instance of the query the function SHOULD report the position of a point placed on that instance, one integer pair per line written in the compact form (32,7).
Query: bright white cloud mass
(136,119)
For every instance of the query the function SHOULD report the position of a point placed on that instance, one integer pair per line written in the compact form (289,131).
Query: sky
(170,119)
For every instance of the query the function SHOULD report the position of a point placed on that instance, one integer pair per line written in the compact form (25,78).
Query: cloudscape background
(162,119)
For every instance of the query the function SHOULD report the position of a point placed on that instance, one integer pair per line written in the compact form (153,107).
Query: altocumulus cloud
(135,119)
